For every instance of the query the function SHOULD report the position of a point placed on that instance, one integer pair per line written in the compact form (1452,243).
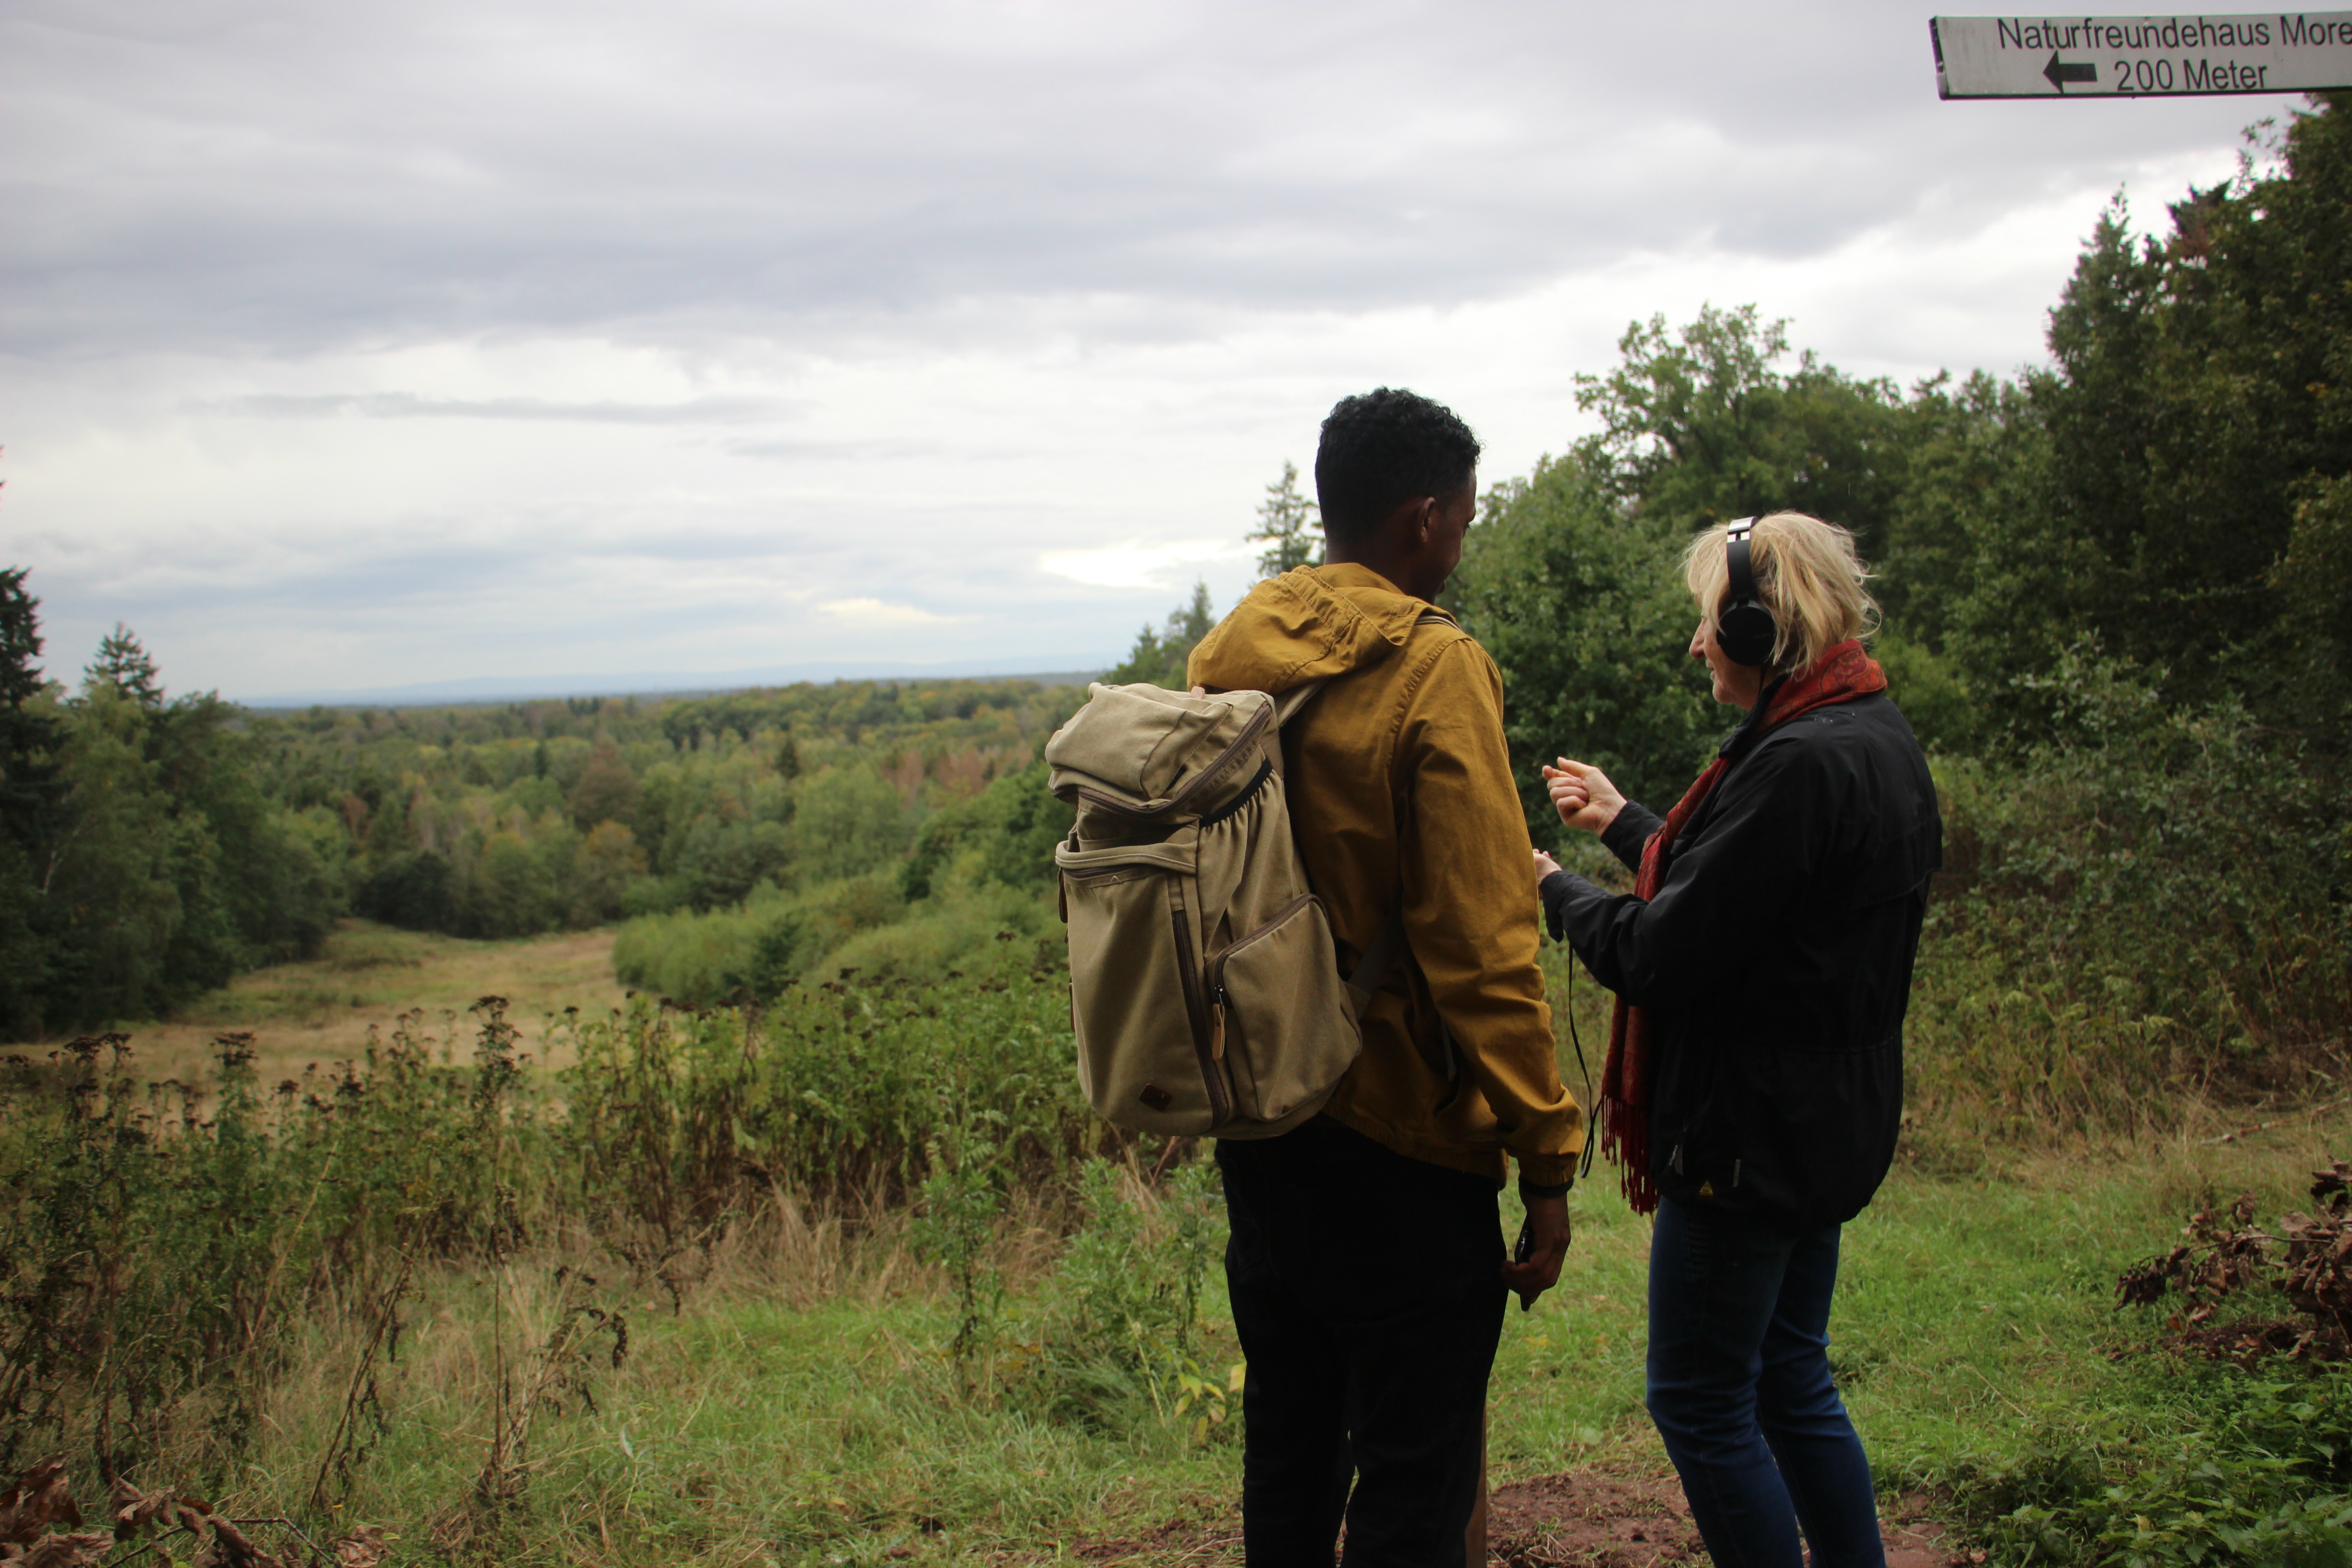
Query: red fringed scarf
(1840,674)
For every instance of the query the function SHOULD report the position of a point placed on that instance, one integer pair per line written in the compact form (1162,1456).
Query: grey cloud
(774,186)
(454,613)
(797,449)
(265,176)
(409,405)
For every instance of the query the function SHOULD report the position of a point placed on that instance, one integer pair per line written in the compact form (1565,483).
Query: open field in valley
(320,1012)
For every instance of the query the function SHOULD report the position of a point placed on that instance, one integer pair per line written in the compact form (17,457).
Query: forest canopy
(157,847)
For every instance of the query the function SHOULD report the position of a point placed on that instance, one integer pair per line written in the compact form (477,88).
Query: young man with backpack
(1367,1266)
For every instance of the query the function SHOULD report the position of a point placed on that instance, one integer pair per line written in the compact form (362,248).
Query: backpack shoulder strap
(1372,964)
(1287,706)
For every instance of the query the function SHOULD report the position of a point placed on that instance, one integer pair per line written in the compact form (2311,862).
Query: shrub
(846,820)
(166,1246)
(2151,903)
(775,939)
(1126,1345)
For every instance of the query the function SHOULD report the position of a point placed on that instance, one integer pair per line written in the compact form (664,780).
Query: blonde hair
(1806,575)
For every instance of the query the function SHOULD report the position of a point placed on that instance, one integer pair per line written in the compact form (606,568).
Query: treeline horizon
(155,848)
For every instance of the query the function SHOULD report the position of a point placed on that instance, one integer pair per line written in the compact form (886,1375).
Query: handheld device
(1523,1249)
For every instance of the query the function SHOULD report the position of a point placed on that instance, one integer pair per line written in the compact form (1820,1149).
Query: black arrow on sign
(2060,72)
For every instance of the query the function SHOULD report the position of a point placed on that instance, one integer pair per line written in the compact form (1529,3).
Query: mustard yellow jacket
(1400,784)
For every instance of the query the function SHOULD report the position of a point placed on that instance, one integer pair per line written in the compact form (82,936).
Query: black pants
(1366,1292)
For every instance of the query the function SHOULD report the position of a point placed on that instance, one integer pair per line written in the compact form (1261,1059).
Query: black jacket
(1776,962)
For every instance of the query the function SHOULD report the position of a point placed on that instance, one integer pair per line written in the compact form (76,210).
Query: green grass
(752,1431)
(1974,1333)
(747,1429)
(752,1208)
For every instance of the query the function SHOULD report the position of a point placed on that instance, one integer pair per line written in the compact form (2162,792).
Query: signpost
(2141,57)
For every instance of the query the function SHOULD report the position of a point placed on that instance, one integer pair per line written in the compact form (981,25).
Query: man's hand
(1584,795)
(1548,1236)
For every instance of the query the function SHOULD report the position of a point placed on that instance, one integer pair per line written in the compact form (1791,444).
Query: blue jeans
(1740,1390)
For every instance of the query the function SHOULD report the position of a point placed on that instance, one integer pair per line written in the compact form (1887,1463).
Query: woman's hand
(1584,795)
(1545,866)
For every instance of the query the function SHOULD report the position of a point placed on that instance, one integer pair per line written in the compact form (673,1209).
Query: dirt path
(1605,1516)
(1600,1518)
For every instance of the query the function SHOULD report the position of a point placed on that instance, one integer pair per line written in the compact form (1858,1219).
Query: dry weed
(2308,1262)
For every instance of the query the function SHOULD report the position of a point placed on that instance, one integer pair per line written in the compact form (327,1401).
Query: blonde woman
(1755,1080)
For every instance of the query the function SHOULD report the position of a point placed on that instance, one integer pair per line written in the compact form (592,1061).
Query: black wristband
(1529,1191)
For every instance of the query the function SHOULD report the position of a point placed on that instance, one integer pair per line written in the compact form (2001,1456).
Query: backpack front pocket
(1279,1014)
(1146,1056)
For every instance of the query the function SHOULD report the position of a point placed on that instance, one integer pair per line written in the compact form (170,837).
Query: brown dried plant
(40,1528)
(2309,1262)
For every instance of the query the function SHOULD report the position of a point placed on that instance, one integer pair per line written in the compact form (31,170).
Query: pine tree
(1286,521)
(123,663)
(32,810)
(1160,653)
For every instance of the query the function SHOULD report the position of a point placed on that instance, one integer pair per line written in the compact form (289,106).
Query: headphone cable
(1592,1111)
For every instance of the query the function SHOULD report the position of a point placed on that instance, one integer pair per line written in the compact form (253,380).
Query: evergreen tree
(32,814)
(124,664)
(1285,522)
(1160,653)
(2186,507)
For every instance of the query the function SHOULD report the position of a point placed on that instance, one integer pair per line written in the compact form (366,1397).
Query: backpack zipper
(1196,1013)
(1217,998)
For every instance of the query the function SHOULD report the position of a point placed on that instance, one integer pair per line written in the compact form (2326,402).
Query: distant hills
(530,688)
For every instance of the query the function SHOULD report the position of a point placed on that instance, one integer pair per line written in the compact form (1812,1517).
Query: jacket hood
(1309,623)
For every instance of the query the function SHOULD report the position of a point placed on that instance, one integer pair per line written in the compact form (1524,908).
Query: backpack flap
(1144,750)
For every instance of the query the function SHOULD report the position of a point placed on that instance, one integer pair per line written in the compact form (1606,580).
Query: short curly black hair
(1383,446)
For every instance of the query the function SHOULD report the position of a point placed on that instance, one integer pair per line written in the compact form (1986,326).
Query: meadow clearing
(316,1011)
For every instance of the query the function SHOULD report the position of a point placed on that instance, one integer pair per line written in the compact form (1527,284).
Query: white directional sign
(2141,57)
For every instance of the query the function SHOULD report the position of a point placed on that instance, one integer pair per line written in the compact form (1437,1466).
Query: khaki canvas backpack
(1204,987)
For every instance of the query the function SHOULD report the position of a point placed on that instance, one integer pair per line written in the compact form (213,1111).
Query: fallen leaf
(364,1547)
(230,1548)
(133,1511)
(67,1551)
(37,1500)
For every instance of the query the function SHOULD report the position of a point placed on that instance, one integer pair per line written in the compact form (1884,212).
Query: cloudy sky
(352,344)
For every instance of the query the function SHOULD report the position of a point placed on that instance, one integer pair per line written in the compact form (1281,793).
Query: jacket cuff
(1545,1175)
(1554,891)
(1626,836)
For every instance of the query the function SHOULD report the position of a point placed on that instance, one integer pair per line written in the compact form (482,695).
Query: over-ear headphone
(1744,630)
